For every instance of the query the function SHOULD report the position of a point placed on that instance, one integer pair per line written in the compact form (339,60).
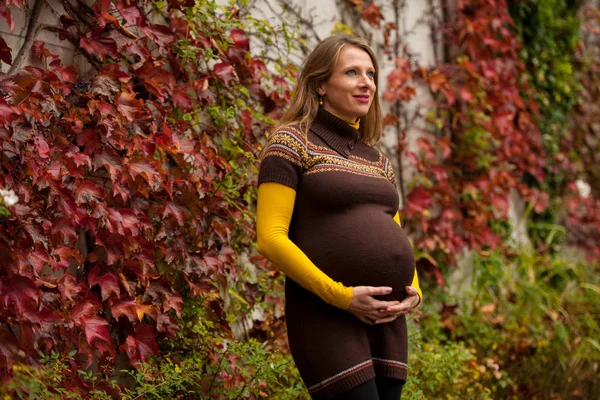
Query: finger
(405,306)
(382,305)
(385,320)
(411,290)
(378,290)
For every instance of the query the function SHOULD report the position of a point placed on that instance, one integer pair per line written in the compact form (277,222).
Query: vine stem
(34,20)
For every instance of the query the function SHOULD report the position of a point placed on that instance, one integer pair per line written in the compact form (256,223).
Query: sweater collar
(335,132)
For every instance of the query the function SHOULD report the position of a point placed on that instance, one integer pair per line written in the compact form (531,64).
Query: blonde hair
(317,68)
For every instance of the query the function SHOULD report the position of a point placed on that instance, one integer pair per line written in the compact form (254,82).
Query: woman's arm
(273,216)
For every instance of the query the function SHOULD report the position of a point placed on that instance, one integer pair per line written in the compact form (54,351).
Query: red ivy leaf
(161,34)
(6,14)
(240,39)
(157,80)
(108,283)
(140,347)
(500,205)
(418,201)
(372,14)
(81,311)
(128,105)
(21,291)
(109,159)
(176,210)
(181,98)
(139,166)
(96,328)
(41,146)
(130,13)
(70,287)
(225,72)
(87,191)
(131,308)
(99,46)
(5,53)
(40,51)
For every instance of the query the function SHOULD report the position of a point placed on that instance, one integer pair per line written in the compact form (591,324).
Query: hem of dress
(344,383)
(390,370)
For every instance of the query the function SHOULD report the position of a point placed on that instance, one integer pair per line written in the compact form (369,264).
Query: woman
(327,215)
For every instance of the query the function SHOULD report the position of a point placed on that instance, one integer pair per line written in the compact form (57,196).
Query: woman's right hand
(367,308)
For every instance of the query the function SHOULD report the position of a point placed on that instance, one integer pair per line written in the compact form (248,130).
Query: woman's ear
(320,90)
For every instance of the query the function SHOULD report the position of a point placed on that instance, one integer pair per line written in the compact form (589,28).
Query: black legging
(379,388)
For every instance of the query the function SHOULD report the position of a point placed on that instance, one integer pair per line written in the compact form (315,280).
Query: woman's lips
(362,98)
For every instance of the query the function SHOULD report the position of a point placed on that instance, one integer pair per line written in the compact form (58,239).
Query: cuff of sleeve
(344,298)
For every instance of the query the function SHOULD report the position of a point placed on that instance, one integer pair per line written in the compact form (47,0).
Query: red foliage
(488,143)
(121,197)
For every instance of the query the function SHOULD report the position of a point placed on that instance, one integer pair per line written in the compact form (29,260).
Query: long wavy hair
(317,68)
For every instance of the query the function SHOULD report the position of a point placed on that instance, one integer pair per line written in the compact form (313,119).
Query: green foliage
(549,33)
(445,370)
(527,329)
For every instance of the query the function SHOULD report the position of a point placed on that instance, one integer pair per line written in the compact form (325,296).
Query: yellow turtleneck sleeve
(273,215)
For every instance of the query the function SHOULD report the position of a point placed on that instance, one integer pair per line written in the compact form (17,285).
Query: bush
(530,327)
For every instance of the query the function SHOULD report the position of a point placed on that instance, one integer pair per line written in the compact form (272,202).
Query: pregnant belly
(371,253)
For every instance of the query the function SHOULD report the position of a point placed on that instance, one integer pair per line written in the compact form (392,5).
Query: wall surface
(49,14)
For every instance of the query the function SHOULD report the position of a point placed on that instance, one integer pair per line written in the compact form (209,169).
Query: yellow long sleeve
(273,215)
(415,282)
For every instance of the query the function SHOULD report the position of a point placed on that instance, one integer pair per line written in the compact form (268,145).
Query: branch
(309,24)
(32,29)
(94,62)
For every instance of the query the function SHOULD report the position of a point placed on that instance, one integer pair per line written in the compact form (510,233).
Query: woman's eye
(371,74)
(351,72)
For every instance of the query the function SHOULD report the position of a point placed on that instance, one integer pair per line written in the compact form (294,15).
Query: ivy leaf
(6,14)
(130,13)
(70,287)
(81,311)
(131,308)
(372,14)
(182,99)
(96,328)
(5,52)
(99,46)
(225,73)
(156,80)
(160,34)
(108,282)
(500,205)
(140,347)
(139,166)
(87,191)
(39,258)
(418,200)
(176,210)
(128,105)
(109,159)
(21,291)
(41,146)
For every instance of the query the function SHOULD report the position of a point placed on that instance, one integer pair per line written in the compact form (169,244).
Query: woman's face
(349,91)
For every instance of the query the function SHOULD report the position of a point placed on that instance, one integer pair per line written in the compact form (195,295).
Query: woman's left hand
(410,302)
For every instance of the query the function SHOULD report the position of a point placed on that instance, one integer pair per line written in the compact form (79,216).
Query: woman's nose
(366,81)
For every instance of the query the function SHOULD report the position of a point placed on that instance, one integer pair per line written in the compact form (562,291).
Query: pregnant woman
(327,215)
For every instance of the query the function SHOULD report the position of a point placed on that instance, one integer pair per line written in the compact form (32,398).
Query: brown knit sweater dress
(343,221)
